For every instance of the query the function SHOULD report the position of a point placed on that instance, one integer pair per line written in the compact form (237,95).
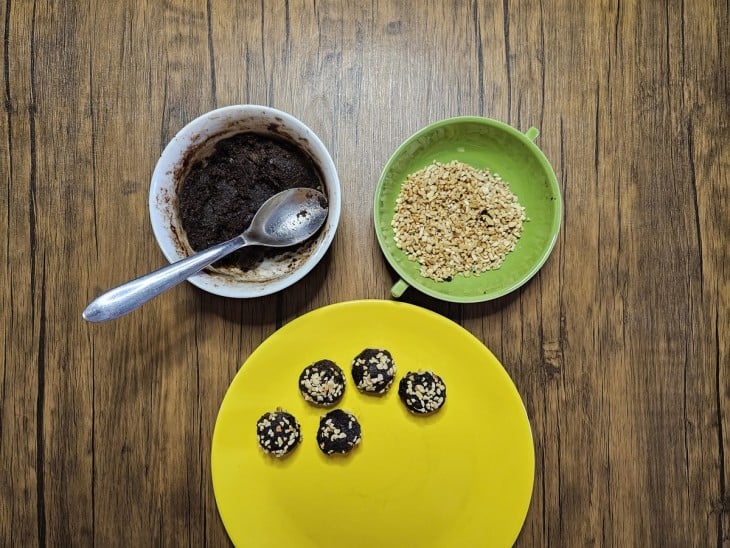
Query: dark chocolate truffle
(278,433)
(339,432)
(422,392)
(322,383)
(373,370)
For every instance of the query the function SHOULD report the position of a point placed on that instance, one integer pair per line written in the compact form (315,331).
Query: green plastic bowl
(481,143)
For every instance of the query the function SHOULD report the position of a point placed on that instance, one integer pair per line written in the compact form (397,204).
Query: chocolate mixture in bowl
(221,193)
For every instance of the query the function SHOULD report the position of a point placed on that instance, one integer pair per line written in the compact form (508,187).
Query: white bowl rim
(163,180)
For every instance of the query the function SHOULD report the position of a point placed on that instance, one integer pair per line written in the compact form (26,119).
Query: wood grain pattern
(619,345)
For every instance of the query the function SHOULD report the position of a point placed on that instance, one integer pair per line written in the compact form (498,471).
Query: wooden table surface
(619,345)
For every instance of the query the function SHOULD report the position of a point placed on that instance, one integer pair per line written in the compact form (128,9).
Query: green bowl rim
(556,220)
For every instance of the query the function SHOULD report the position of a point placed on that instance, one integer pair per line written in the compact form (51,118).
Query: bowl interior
(481,143)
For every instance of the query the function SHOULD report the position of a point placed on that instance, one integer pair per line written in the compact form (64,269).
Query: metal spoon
(285,219)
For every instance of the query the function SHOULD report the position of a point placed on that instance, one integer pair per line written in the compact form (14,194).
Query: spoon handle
(131,295)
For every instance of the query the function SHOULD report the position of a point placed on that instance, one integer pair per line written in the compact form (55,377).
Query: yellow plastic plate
(461,477)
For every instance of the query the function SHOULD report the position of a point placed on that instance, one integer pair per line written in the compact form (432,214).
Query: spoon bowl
(287,218)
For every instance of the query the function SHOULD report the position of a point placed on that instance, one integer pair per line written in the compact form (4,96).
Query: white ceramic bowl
(196,140)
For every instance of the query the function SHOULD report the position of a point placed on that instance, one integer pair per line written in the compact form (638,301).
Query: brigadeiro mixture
(422,392)
(221,193)
(339,432)
(373,371)
(278,433)
(322,383)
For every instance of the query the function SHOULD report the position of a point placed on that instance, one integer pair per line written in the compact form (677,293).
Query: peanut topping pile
(454,219)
